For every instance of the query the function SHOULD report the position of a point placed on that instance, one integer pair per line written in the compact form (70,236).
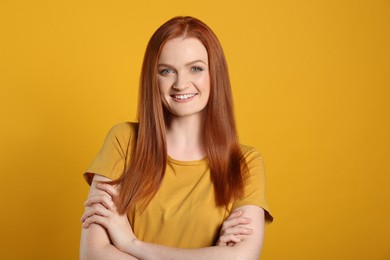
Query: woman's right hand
(101,209)
(233,228)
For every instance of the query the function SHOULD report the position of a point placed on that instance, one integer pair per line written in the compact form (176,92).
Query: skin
(95,242)
(183,70)
(184,85)
(108,235)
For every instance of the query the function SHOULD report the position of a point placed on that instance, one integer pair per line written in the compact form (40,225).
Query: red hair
(146,171)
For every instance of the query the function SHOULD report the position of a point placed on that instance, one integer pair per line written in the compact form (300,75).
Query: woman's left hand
(101,209)
(233,229)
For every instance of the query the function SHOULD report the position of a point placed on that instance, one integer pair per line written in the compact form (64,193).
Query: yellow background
(311,84)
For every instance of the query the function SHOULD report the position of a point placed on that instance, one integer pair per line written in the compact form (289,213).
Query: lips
(184,96)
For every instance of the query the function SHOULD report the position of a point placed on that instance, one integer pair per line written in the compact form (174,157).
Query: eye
(166,71)
(196,69)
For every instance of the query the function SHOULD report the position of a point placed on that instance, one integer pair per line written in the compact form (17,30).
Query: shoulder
(123,132)
(254,161)
(115,152)
(254,181)
(250,153)
(124,128)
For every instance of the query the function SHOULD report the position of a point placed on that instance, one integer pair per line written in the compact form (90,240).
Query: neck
(185,138)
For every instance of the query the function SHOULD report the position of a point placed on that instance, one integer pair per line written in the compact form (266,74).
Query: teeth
(184,97)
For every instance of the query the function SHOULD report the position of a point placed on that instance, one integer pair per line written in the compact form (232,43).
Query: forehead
(179,50)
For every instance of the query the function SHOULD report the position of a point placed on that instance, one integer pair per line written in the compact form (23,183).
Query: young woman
(177,184)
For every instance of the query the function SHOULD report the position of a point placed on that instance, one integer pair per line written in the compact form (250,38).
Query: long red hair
(145,173)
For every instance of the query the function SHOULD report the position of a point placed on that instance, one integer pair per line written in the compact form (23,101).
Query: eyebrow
(187,64)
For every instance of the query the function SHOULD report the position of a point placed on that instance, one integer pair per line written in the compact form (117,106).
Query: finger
(234,222)
(237,230)
(235,214)
(95,219)
(103,199)
(229,238)
(87,213)
(110,189)
(220,242)
(96,209)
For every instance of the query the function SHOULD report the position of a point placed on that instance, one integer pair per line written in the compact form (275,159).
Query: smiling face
(183,77)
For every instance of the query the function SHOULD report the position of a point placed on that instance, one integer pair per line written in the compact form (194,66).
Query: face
(183,77)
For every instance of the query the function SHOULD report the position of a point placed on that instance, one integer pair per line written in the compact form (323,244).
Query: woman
(177,184)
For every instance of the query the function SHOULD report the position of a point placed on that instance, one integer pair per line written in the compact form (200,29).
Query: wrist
(134,247)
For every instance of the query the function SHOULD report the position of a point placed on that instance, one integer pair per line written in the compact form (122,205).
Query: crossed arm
(108,235)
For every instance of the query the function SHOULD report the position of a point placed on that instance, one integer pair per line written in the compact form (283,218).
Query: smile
(183,96)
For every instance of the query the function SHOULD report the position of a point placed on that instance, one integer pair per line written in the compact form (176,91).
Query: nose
(182,82)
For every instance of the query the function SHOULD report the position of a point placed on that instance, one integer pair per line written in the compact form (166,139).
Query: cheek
(164,84)
(161,83)
(204,82)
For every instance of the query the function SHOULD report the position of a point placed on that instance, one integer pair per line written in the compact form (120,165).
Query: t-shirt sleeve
(254,191)
(113,157)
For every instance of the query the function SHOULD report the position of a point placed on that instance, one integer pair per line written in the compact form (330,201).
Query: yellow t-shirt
(183,212)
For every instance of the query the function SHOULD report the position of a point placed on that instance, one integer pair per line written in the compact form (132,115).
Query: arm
(234,226)
(95,242)
(249,245)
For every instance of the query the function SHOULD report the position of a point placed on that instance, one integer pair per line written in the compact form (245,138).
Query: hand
(101,209)
(233,228)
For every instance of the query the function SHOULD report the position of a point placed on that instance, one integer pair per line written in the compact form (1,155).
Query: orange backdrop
(311,84)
